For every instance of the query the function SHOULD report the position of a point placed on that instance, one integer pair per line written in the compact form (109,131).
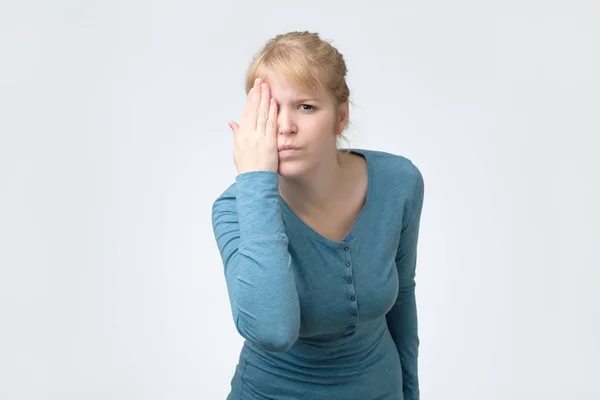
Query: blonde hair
(306,60)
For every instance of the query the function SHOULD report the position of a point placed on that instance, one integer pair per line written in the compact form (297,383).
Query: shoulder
(394,172)
(246,188)
(225,201)
(398,185)
(229,192)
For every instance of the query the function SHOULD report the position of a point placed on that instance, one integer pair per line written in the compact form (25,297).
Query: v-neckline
(350,235)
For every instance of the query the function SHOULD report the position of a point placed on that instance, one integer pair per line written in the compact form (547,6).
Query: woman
(319,245)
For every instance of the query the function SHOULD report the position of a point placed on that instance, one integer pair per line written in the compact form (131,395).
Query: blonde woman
(319,244)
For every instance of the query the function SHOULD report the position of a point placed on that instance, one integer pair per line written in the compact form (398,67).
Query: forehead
(283,88)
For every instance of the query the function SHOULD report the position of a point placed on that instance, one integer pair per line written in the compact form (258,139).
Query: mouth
(288,149)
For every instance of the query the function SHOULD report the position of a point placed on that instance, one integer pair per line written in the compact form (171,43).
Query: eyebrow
(303,99)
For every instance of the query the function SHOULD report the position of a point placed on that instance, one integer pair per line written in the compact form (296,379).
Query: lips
(288,147)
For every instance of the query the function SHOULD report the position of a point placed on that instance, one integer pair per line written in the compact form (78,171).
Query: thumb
(234,127)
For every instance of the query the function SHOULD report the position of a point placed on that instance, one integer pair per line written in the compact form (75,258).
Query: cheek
(320,127)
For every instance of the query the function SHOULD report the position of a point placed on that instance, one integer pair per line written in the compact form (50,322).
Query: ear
(343,115)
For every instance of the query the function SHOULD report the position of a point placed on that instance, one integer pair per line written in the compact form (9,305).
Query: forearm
(403,325)
(258,271)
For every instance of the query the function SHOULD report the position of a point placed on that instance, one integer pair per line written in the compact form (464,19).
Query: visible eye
(308,105)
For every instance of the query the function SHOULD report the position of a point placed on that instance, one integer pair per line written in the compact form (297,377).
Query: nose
(285,123)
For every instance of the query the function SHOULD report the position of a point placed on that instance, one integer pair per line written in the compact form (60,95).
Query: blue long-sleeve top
(324,319)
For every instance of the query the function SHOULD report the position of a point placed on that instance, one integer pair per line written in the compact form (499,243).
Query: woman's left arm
(402,317)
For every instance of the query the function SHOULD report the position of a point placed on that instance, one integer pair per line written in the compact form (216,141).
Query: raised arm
(402,318)
(260,281)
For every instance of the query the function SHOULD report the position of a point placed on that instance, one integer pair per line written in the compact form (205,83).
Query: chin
(291,169)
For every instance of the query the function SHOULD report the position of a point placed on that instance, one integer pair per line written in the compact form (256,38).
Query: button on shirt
(320,318)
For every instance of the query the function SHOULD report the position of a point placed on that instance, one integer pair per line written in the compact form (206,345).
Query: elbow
(275,338)
(277,343)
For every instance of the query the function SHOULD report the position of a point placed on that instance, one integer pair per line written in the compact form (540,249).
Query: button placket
(353,309)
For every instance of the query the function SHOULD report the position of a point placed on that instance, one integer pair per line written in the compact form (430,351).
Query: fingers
(260,113)
(272,119)
(234,127)
(263,109)
(249,118)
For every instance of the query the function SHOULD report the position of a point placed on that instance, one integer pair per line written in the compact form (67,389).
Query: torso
(345,348)
(336,222)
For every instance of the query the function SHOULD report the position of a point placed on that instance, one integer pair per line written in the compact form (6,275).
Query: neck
(317,190)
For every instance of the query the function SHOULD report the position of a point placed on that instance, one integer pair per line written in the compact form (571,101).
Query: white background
(114,143)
